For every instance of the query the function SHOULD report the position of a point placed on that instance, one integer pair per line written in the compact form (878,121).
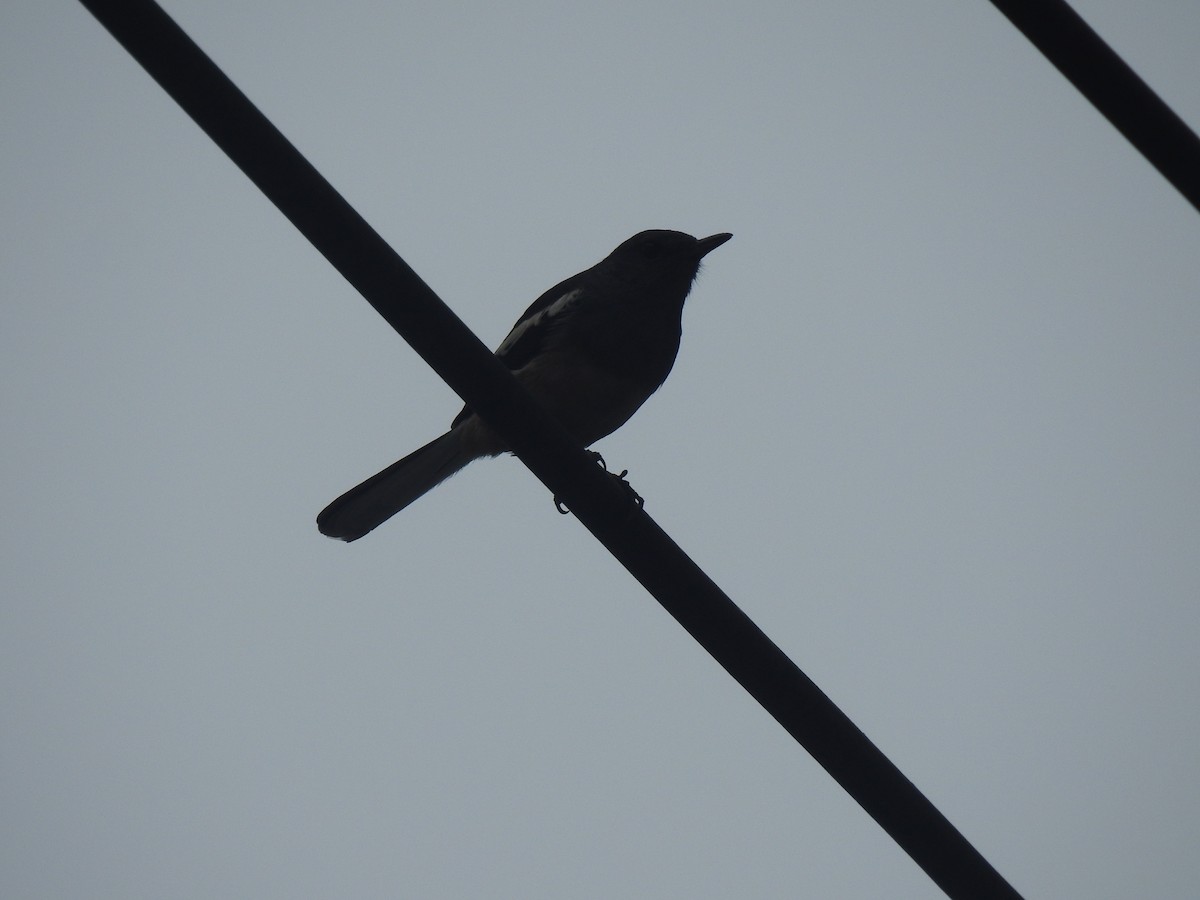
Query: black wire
(683,589)
(1112,87)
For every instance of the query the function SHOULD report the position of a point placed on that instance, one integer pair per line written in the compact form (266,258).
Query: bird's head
(660,261)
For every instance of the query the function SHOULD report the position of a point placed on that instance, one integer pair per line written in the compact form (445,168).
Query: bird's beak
(712,242)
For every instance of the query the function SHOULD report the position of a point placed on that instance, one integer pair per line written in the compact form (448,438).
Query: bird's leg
(596,457)
(632,494)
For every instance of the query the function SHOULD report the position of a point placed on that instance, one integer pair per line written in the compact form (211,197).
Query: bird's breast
(589,399)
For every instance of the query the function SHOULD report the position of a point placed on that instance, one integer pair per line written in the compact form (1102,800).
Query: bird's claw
(629,491)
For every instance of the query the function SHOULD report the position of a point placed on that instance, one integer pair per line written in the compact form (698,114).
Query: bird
(590,350)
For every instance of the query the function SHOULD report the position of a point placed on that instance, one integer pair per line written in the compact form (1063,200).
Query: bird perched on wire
(590,350)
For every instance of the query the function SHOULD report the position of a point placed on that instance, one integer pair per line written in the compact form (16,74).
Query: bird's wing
(528,337)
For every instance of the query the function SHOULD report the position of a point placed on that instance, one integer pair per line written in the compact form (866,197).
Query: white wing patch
(538,319)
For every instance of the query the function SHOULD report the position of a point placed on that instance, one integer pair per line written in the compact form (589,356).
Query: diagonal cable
(1117,91)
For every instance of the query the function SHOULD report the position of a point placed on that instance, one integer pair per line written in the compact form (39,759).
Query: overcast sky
(935,426)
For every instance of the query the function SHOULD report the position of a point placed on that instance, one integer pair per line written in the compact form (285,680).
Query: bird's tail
(381,496)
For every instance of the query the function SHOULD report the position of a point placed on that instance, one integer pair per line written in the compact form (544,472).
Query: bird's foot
(629,491)
(597,458)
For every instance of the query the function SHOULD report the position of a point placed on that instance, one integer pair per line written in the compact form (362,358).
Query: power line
(1113,87)
(683,589)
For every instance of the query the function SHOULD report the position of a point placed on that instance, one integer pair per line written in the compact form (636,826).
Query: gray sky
(934,426)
